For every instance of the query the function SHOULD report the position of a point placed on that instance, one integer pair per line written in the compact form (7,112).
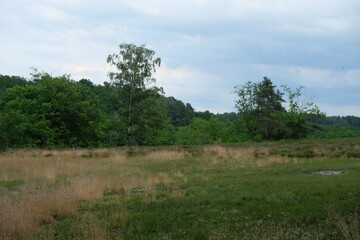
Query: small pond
(331,172)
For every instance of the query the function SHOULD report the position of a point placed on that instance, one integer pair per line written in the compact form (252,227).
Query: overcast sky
(207,47)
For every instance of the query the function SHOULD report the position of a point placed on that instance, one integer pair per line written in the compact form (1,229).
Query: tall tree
(261,107)
(134,68)
(264,116)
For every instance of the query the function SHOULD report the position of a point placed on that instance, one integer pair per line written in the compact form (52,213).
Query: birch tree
(134,66)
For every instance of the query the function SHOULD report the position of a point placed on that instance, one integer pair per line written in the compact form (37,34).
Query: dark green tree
(206,115)
(264,116)
(180,114)
(228,116)
(260,104)
(11,81)
(52,112)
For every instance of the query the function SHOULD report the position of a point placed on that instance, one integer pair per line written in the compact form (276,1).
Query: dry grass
(271,160)
(165,155)
(23,214)
(83,175)
(90,188)
(263,231)
(57,180)
(236,157)
(349,226)
(321,152)
(235,153)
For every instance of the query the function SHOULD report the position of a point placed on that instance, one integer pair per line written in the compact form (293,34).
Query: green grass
(279,202)
(212,197)
(233,202)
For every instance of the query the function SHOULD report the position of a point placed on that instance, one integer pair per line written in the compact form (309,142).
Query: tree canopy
(134,66)
(55,111)
(265,117)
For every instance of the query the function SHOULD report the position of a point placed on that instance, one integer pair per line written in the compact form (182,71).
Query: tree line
(55,111)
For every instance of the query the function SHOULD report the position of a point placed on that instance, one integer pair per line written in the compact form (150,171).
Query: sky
(207,47)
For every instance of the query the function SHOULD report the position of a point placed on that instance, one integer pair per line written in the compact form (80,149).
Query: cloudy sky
(207,47)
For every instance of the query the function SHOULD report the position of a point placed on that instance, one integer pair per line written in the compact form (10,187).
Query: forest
(46,111)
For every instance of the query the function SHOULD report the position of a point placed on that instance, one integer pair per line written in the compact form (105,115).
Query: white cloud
(79,68)
(97,73)
(326,78)
(49,13)
(63,2)
(306,76)
(340,110)
(222,43)
(208,9)
(204,91)
(185,81)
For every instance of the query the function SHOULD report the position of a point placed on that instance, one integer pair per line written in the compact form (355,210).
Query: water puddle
(331,172)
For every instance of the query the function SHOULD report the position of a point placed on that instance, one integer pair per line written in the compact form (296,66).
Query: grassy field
(276,190)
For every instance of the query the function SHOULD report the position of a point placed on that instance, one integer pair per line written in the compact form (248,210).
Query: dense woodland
(55,111)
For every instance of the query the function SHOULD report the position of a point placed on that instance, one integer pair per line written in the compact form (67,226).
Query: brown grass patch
(165,155)
(236,157)
(271,160)
(22,215)
(235,153)
(52,164)
(90,188)
(57,180)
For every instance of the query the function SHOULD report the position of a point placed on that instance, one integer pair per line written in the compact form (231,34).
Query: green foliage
(51,111)
(261,107)
(160,135)
(228,116)
(11,81)
(180,114)
(264,116)
(205,115)
(342,133)
(54,111)
(134,67)
(299,113)
(152,127)
(194,134)
(347,122)
(201,131)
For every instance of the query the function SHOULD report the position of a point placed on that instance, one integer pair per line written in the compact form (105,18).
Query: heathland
(293,189)
(123,161)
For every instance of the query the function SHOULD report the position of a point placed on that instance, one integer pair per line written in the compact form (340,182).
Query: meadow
(304,189)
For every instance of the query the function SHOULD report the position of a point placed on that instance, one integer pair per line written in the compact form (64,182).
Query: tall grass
(22,215)
(349,225)
(57,180)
